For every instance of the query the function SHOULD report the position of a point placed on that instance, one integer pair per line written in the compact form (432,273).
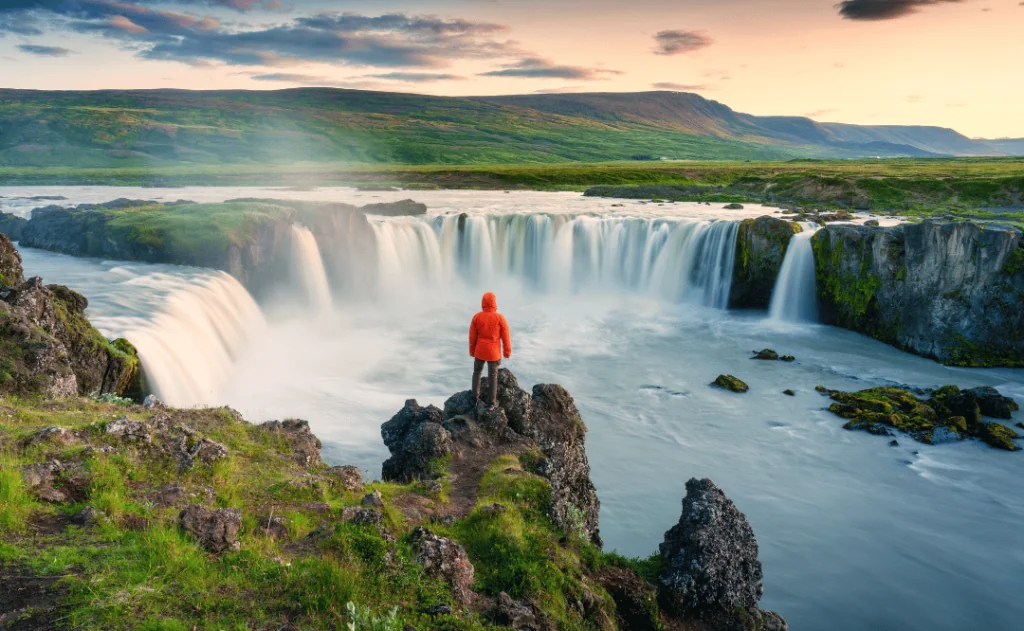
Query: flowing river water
(622,305)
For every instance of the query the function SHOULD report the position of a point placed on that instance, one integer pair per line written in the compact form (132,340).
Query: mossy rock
(728,382)
(999,435)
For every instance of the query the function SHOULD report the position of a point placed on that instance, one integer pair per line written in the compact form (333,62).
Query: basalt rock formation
(950,291)
(761,246)
(12,225)
(544,426)
(710,570)
(47,345)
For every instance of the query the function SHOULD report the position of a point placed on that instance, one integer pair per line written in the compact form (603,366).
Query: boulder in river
(710,568)
(728,382)
(766,354)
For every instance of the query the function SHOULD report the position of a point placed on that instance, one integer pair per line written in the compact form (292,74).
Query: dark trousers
(492,378)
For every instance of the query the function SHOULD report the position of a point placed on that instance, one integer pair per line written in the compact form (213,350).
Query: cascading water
(677,260)
(308,268)
(795,298)
(188,349)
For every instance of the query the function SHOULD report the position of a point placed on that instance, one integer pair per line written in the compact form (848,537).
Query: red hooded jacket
(488,332)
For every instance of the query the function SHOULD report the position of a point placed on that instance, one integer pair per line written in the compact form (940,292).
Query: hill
(147,128)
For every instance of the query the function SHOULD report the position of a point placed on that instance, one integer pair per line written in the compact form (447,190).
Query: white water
(795,298)
(308,269)
(929,536)
(677,260)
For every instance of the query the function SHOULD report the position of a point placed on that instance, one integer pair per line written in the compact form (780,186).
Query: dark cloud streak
(44,51)
(679,42)
(537,68)
(873,10)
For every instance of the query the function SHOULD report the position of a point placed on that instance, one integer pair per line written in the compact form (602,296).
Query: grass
(137,569)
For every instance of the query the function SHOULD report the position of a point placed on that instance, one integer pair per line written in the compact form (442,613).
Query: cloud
(883,9)
(538,68)
(390,40)
(416,77)
(679,42)
(822,112)
(44,51)
(679,87)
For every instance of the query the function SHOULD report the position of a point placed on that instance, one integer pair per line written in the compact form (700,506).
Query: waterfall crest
(676,260)
(795,297)
(189,348)
(308,268)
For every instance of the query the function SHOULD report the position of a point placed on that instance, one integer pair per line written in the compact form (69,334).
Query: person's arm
(473,334)
(506,338)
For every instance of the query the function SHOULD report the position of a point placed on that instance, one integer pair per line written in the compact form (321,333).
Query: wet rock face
(416,439)
(761,246)
(949,291)
(710,565)
(445,559)
(217,530)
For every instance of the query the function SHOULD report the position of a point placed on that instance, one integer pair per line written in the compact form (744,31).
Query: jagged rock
(516,402)
(216,530)
(363,516)
(207,451)
(305,445)
(514,614)
(460,403)
(710,565)
(949,290)
(728,382)
(129,430)
(39,480)
(991,403)
(789,393)
(348,477)
(767,354)
(373,499)
(416,439)
(998,435)
(561,433)
(152,403)
(787,358)
(447,560)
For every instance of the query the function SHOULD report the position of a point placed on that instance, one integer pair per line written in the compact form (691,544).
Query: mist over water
(621,309)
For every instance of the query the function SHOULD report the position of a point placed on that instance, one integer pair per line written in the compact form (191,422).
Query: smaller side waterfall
(308,268)
(189,348)
(795,298)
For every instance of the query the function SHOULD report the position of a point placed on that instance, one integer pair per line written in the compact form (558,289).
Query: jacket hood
(489,302)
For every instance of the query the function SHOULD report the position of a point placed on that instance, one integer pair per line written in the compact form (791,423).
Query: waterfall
(676,260)
(795,298)
(308,268)
(189,348)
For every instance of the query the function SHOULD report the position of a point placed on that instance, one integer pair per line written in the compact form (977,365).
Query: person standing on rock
(489,339)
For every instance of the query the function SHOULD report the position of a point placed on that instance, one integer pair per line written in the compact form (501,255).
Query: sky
(949,63)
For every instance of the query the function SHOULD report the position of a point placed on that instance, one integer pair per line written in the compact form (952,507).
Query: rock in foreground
(710,565)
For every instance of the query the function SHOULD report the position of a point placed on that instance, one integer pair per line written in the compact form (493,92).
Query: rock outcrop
(445,559)
(944,290)
(710,568)
(48,346)
(217,530)
(256,251)
(761,246)
(546,422)
(12,225)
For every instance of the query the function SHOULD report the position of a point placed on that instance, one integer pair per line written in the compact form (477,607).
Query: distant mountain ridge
(131,128)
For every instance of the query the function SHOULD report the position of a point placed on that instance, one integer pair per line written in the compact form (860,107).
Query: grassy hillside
(159,128)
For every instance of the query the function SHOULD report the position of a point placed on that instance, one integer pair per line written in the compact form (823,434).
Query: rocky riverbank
(951,291)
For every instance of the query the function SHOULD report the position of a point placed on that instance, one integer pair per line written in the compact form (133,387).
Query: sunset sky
(952,63)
